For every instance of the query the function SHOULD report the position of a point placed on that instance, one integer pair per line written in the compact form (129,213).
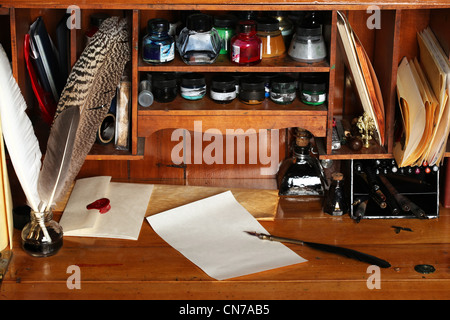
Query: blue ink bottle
(158,46)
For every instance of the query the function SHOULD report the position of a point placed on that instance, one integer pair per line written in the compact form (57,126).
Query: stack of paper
(422,90)
(363,75)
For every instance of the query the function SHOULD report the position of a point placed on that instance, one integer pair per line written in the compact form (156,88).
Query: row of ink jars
(203,39)
(278,87)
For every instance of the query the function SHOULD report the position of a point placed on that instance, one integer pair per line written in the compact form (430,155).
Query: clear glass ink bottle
(335,201)
(42,236)
(158,46)
(302,174)
(199,41)
(246,46)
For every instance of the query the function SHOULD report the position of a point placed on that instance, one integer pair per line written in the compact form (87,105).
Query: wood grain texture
(150,269)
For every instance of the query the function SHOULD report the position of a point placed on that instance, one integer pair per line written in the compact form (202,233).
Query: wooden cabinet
(392,36)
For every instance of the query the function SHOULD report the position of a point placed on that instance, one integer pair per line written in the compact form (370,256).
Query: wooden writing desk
(150,269)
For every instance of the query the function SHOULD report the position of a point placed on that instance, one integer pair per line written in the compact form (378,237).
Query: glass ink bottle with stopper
(301,175)
(42,236)
(158,46)
(335,201)
(307,44)
(246,46)
(199,42)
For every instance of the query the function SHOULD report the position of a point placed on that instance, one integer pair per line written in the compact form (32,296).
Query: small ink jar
(251,90)
(158,46)
(283,90)
(238,76)
(270,34)
(267,77)
(164,87)
(193,86)
(223,89)
(313,90)
(225,26)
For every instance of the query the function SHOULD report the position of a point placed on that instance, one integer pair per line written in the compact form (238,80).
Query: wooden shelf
(109,152)
(182,113)
(223,64)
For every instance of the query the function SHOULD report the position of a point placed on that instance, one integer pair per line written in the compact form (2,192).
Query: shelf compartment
(109,152)
(223,64)
(182,114)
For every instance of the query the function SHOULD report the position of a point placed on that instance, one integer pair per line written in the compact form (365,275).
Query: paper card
(128,202)
(76,216)
(211,234)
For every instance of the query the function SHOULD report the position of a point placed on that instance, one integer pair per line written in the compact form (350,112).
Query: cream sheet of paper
(129,203)
(210,233)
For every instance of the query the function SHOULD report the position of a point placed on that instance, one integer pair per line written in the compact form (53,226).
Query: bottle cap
(225,21)
(157,25)
(199,22)
(267,24)
(223,82)
(247,26)
(282,79)
(164,80)
(267,76)
(251,83)
(193,79)
(309,32)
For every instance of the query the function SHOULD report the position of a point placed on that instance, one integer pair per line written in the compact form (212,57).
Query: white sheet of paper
(210,233)
(128,201)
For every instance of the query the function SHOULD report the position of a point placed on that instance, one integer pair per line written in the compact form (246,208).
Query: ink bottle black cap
(199,22)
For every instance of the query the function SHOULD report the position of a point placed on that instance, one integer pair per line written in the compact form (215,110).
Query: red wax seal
(102,205)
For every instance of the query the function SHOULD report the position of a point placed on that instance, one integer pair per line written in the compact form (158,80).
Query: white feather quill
(20,140)
(18,132)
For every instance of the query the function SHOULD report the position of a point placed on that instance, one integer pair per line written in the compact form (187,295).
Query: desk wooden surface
(151,269)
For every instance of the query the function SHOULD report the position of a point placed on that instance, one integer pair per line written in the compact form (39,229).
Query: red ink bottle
(246,46)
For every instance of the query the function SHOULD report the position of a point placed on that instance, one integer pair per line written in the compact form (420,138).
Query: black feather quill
(349,253)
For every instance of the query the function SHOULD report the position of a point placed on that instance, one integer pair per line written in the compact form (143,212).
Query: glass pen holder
(42,236)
